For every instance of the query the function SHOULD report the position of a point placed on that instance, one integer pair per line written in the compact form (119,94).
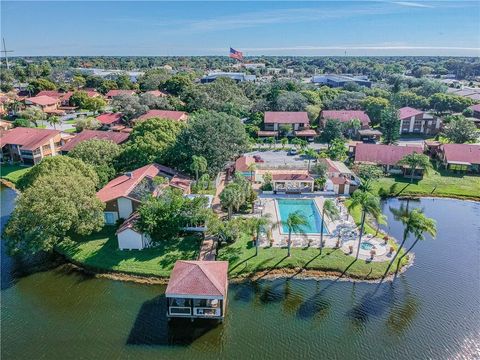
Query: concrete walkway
(216,206)
(208,249)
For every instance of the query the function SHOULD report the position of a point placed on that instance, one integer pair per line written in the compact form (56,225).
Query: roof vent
(129,174)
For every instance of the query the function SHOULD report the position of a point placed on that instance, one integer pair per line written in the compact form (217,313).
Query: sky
(312,28)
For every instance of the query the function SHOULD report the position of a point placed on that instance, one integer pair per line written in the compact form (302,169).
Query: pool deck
(341,233)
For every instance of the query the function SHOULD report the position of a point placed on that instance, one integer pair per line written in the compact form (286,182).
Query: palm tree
(199,165)
(294,223)
(252,167)
(416,160)
(259,223)
(284,142)
(329,209)
(54,121)
(405,216)
(311,154)
(419,225)
(230,197)
(369,204)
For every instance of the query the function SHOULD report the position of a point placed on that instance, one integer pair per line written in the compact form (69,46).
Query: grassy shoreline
(434,184)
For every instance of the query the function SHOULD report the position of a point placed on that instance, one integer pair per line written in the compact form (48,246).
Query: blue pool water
(366,245)
(307,208)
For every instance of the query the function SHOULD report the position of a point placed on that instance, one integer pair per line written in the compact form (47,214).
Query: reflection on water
(431,311)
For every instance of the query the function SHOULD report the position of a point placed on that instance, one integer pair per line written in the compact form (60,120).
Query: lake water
(430,312)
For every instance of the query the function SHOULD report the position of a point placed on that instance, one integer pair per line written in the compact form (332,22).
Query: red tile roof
(286,117)
(346,116)
(331,168)
(407,112)
(27,138)
(461,153)
(242,163)
(42,100)
(164,114)
(51,93)
(207,278)
(383,154)
(124,184)
(109,118)
(290,177)
(113,93)
(156,93)
(116,137)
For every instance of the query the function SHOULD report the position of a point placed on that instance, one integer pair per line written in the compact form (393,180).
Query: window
(109,218)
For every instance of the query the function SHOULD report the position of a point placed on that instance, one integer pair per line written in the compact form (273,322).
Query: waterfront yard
(100,252)
(435,183)
(13,173)
(242,261)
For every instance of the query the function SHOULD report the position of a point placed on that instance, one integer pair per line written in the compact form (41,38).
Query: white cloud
(413,4)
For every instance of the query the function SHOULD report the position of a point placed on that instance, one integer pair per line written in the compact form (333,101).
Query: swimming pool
(308,208)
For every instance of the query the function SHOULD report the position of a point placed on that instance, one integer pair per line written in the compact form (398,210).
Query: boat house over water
(198,289)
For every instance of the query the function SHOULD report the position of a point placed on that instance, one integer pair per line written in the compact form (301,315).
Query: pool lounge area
(341,233)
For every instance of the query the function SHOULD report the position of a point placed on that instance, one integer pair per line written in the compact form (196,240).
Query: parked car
(292,152)
(258,159)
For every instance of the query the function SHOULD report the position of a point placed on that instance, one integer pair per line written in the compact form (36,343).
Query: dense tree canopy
(218,137)
(163,217)
(390,124)
(101,154)
(51,209)
(461,130)
(58,166)
(150,141)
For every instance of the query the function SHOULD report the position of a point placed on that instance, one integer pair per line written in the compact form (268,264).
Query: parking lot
(279,159)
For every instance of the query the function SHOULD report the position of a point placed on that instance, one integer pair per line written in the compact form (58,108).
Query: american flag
(234,54)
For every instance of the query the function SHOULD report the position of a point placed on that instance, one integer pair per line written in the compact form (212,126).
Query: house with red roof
(156,93)
(124,194)
(112,93)
(48,104)
(340,179)
(414,121)
(386,156)
(460,157)
(30,145)
(163,114)
(117,137)
(345,116)
(63,97)
(110,119)
(476,111)
(291,123)
(197,289)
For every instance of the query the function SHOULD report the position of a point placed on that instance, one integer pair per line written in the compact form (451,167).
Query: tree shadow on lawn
(167,252)
(152,327)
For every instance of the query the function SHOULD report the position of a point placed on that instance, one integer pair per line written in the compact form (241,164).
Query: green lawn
(100,252)
(242,260)
(72,130)
(13,173)
(435,183)
(71,121)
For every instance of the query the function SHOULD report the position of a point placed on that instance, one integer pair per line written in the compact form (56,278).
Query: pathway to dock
(208,249)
